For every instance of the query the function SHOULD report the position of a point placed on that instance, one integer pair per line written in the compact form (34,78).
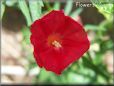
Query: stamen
(56,44)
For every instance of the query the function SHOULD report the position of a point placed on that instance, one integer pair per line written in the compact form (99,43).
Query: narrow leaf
(40,3)
(76,12)
(25,10)
(26,34)
(11,2)
(91,27)
(2,10)
(97,69)
(35,9)
(56,5)
(68,7)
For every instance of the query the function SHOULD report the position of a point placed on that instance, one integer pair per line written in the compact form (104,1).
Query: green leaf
(25,10)
(91,27)
(107,24)
(11,2)
(57,79)
(101,80)
(98,59)
(47,76)
(35,9)
(68,7)
(76,12)
(56,5)
(74,78)
(44,75)
(26,34)
(41,3)
(106,7)
(97,69)
(2,10)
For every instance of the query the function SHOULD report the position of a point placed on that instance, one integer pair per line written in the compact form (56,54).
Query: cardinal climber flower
(58,41)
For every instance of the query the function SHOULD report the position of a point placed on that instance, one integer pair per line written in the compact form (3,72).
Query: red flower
(58,41)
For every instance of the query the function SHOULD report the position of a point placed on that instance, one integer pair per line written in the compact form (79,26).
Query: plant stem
(97,69)
(89,56)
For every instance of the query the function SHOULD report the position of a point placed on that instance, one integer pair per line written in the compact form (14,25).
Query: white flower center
(56,44)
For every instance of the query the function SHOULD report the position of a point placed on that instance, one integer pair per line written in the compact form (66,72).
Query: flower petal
(53,59)
(37,31)
(52,21)
(75,42)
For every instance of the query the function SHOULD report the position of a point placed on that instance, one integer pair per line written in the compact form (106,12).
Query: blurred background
(18,65)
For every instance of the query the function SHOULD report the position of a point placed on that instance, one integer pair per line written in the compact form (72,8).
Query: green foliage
(106,7)
(48,6)
(91,27)
(35,9)
(68,7)
(26,34)
(10,2)
(56,5)
(44,75)
(74,78)
(25,10)
(31,12)
(76,13)
(99,58)
(101,80)
(2,9)
(97,69)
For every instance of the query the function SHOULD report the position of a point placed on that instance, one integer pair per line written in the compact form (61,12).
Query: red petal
(53,59)
(37,58)
(52,21)
(75,42)
(38,40)
(37,31)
